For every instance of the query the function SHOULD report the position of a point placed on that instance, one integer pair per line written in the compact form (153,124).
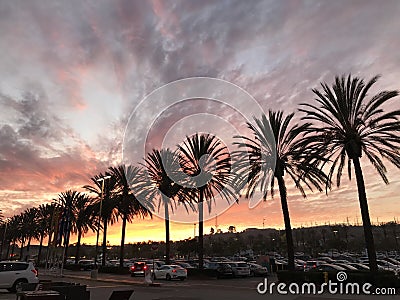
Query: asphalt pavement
(190,289)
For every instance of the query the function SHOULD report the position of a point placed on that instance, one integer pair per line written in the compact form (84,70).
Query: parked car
(329,268)
(86,264)
(223,270)
(170,272)
(240,269)
(393,261)
(359,266)
(184,265)
(346,266)
(157,263)
(257,270)
(312,264)
(15,273)
(385,265)
(138,268)
(326,259)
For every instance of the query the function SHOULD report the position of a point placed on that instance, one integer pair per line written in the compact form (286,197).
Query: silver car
(240,269)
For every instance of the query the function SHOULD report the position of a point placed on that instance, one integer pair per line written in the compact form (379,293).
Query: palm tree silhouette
(128,205)
(276,148)
(346,124)
(45,214)
(160,180)
(83,219)
(109,204)
(207,162)
(69,202)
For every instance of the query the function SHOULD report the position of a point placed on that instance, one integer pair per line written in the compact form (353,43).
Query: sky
(72,74)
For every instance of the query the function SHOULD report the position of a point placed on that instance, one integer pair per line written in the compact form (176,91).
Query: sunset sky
(72,72)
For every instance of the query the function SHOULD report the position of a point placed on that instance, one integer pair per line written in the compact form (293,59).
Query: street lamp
(102,180)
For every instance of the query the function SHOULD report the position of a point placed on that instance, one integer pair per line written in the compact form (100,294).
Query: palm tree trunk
(21,251)
(121,253)
(104,246)
(28,247)
(201,242)
(66,245)
(8,250)
(78,247)
(13,248)
(362,198)
(286,218)
(167,244)
(40,247)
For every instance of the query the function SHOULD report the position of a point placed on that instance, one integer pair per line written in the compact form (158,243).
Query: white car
(240,269)
(169,272)
(15,273)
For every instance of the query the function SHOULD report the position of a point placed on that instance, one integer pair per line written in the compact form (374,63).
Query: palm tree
(27,229)
(207,162)
(14,232)
(32,231)
(347,124)
(68,201)
(128,205)
(108,203)
(276,147)
(45,213)
(160,180)
(83,219)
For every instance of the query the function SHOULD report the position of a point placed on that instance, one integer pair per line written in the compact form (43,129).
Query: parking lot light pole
(102,180)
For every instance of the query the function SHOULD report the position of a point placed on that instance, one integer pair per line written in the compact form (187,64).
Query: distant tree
(232,229)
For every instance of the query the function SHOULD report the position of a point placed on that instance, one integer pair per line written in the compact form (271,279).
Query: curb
(126,282)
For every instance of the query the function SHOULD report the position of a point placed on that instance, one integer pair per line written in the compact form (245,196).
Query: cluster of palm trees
(342,124)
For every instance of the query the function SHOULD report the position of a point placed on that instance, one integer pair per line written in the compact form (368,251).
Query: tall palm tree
(45,213)
(160,181)
(108,203)
(276,148)
(68,201)
(347,125)
(13,232)
(83,220)
(27,230)
(207,162)
(31,227)
(128,205)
